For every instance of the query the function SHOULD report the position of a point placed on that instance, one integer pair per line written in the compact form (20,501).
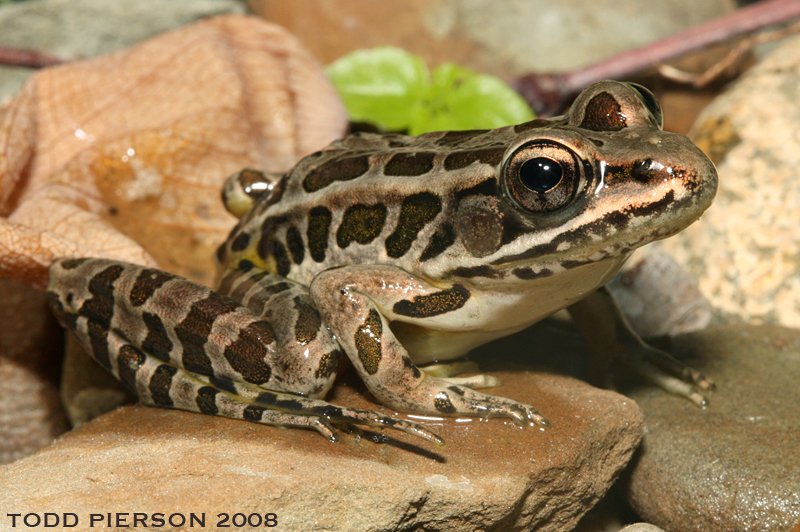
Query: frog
(399,255)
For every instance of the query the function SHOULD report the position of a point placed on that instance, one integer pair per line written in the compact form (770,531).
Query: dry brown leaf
(123,156)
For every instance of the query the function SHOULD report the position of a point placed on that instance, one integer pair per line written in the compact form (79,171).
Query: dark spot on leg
(433,304)
(368,342)
(443,404)
(160,384)
(415,213)
(156,343)
(224,385)
(328,364)
(248,353)
(207,400)
(193,331)
(308,322)
(147,282)
(253,413)
(129,361)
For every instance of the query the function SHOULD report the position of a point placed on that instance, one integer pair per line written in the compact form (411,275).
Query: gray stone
(641,527)
(744,251)
(734,466)
(491,475)
(658,295)
(78,29)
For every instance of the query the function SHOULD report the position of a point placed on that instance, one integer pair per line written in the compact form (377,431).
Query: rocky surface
(523,35)
(491,475)
(79,29)
(745,249)
(734,466)
(31,415)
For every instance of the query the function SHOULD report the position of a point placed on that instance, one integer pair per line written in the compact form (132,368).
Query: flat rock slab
(491,475)
(736,465)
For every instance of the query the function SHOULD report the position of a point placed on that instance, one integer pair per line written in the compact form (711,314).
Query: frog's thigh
(306,356)
(350,299)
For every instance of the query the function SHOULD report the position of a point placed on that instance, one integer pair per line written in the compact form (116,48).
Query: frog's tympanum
(396,252)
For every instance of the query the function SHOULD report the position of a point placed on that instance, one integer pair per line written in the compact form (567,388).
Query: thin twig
(27,58)
(732,58)
(548,92)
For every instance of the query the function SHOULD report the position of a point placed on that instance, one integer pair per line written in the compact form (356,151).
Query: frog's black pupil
(540,174)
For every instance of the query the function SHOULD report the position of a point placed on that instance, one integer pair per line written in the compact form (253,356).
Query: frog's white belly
(493,314)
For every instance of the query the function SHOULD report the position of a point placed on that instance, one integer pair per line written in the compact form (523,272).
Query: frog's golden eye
(543,176)
(650,102)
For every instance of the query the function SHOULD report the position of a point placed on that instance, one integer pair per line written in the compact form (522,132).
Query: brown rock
(30,413)
(490,476)
(734,466)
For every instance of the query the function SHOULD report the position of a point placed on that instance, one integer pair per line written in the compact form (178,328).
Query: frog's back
(372,198)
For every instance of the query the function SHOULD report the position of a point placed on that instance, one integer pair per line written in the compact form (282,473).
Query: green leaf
(380,85)
(395,91)
(464,99)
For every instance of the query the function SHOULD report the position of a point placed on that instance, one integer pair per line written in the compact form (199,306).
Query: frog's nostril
(645,170)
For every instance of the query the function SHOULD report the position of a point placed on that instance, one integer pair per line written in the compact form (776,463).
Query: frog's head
(594,184)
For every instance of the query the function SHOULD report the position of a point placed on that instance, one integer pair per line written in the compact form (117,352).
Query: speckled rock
(641,527)
(734,466)
(491,476)
(745,249)
(79,29)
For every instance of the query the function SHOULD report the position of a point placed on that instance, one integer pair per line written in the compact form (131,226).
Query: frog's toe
(355,416)
(673,376)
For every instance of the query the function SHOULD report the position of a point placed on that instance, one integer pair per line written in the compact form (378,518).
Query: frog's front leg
(358,303)
(601,321)
(179,344)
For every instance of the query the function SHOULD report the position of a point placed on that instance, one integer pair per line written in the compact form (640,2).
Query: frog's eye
(650,102)
(245,187)
(543,176)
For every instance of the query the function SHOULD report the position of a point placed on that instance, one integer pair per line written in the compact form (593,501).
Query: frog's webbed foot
(449,372)
(600,319)
(243,401)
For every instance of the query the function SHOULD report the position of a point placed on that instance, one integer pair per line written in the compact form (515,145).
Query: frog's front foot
(455,400)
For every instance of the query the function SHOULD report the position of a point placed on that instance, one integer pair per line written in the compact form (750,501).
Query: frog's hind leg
(160,384)
(182,345)
(300,334)
(449,372)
